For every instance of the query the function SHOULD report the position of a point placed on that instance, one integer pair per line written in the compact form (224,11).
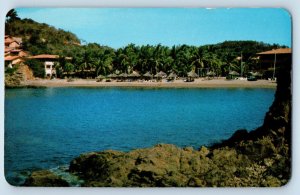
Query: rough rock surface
(45,178)
(18,77)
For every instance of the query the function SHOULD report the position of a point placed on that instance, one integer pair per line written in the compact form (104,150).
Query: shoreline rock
(45,178)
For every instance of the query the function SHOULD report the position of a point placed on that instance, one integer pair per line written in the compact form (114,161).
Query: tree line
(92,60)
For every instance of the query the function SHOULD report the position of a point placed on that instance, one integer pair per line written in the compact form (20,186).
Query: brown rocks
(45,178)
(17,76)
(166,165)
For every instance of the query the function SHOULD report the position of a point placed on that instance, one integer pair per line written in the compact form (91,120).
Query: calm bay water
(46,128)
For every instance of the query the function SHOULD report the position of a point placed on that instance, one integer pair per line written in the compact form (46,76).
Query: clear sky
(117,27)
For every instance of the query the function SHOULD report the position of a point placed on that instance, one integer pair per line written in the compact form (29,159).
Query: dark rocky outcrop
(166,165)
(17,76)
(45,178)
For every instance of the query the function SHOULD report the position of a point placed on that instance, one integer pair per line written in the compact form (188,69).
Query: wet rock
(45,178)
(166,165)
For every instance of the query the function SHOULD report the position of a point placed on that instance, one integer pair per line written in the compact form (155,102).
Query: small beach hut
(134,75)
(123,76)
(160,75)
(191,75)
(148,76)
(210,74)
(172,76)
(256,74)
(112,76)
(233,74)
(100,78)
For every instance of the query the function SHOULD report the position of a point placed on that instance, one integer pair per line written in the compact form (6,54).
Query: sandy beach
(198,83)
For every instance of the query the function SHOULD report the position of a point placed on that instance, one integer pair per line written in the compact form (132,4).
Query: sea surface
(46,128)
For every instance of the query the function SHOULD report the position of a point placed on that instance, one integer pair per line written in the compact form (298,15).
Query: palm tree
(182,60)
(69,67)
(104,61)
(11,16)
(212,62)
(85,61)
(197,59)
(145,55)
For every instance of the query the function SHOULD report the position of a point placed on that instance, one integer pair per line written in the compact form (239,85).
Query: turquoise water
(46,128)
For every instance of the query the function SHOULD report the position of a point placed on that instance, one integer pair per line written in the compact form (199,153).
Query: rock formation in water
(45,178)
(257,158)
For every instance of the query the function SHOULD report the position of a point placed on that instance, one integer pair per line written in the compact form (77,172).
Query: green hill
(37,37)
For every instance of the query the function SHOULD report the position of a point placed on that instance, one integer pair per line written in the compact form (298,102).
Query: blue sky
(117,27)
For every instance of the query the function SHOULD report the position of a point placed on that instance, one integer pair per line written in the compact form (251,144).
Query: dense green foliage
(11,71)
(37,67)
(181,59)
(93,59)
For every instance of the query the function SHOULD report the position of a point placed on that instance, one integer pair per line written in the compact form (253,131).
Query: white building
(49,63)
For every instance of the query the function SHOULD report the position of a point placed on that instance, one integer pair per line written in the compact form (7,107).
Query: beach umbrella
(256,74)
(160,74)
(234,73)
(124,75)
(112,75)
(210,73)
(134,74)
(147,74)
(163,73)
(100,77)
(172,75)
(192,74)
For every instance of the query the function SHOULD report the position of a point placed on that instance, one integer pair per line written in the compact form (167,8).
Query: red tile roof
(23,53)
(47,56)
(7,49)
(8,40)
(277,51)
(11,58)
(44,56)
(16,50)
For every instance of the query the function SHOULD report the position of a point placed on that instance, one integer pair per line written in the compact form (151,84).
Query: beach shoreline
(198,83)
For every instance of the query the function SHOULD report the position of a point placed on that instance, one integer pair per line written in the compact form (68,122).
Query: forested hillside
(39,37)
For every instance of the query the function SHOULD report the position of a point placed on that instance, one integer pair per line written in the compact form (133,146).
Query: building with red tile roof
(49,61)
(271,60)
(276,51)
